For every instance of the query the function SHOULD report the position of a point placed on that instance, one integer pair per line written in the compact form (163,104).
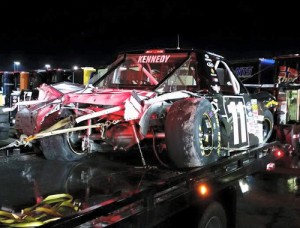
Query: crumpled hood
(70,93)
(107,96)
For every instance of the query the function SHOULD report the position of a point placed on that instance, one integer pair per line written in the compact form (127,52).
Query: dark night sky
(92,34)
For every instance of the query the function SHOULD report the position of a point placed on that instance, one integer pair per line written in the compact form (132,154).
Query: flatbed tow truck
(209,187)
(185,107)
(114,193)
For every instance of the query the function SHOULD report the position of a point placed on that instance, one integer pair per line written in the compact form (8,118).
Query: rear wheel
(63,147)
(268,124)
(192,133)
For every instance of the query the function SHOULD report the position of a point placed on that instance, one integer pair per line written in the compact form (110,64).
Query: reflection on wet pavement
(92,181)
(274,198)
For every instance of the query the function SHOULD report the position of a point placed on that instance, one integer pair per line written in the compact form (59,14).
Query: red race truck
(185,105)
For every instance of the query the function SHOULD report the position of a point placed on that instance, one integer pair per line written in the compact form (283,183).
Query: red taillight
(278,153)
(155,51)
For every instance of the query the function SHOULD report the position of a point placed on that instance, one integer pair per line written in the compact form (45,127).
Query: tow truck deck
(117,194)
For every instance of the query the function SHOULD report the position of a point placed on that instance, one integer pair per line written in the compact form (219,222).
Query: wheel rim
(75,142)
(266,128)
(214,222)
(206,135)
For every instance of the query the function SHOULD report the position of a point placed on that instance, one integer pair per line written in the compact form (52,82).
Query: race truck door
(239,117)
(236,121)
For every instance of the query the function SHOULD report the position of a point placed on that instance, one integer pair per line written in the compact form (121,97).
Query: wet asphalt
(274,197)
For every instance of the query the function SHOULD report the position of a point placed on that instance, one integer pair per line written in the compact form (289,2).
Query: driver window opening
(225,82)
(184,76)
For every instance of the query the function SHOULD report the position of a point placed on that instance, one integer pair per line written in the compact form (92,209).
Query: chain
(106,125)
(25,140)
(222,148)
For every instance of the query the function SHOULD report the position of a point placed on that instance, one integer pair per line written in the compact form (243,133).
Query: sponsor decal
(244,71)
(249,109)
(210,64)
(207,59)
(210,114)
(153,58)
(216,88)
(206,56)
(287,74)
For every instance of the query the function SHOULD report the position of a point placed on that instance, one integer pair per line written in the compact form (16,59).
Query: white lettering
(237,110)
(167,57)
(210,64)
(286,80)
(153,58)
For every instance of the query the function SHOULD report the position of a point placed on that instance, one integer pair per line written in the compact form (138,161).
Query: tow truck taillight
(278,153)
(155,51)
(203,190)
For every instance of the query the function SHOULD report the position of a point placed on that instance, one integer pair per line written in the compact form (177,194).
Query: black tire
(268,124)
(214,216)
(192,133)
(63,147)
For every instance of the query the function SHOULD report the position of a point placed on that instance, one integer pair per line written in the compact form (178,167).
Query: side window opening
(186,75)
(229,84)
(183,78)
(225,82)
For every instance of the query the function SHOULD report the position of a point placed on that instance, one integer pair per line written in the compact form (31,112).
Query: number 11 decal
(238,121)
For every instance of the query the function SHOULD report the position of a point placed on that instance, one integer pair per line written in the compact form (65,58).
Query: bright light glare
(244,185)
(17,63)
(203,189)
(278,153)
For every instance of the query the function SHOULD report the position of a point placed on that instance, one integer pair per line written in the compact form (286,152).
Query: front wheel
(214,216)
(192,133)
(63,147)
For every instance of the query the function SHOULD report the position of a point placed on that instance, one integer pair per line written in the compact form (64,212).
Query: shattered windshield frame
(139,70)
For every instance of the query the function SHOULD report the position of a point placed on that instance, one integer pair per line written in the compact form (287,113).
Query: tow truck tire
(268,124)
(214,216)
(62,147)
(192,133)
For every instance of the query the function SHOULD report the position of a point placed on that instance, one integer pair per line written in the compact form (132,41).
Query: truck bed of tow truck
(160,193)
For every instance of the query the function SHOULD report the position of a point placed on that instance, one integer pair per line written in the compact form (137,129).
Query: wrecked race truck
(186,104)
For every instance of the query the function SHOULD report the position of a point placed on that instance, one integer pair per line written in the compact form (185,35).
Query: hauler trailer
(152,195)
